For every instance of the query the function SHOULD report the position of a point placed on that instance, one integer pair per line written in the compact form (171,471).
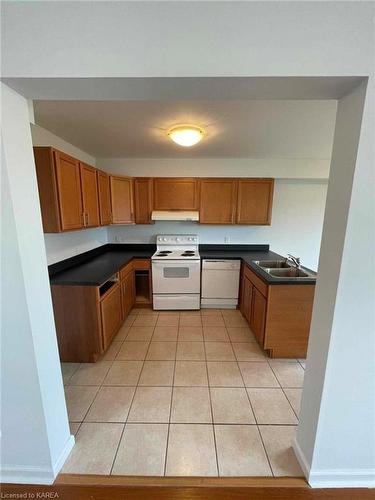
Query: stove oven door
(176,276)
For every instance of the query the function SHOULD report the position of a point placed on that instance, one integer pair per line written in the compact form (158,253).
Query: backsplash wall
(297,222)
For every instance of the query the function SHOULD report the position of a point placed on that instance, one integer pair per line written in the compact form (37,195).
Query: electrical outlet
(117,239)
(226,239)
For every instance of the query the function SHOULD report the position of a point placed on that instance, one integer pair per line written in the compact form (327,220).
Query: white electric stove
(176,272)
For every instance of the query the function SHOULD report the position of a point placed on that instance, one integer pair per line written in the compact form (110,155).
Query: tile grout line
(131,404)
(212,413)
(172,391)
(286,397)
(256,421)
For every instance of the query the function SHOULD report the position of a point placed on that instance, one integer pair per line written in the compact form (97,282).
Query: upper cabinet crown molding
(176,193)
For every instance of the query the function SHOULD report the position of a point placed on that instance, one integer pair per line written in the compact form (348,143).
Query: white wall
(42,137)
(63,245)
(35,437)
(336,439)
(188,39)
(297,222)
(281,168)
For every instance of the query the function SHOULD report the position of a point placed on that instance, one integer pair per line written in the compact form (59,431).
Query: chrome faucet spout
(295,260)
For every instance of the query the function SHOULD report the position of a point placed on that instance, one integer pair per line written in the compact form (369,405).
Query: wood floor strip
(121,492)
(179,482)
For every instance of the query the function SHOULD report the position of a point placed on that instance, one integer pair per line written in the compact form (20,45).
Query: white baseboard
(25,474)
(342,478)
(334,478)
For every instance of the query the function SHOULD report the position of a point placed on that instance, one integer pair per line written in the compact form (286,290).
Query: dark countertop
(95,267)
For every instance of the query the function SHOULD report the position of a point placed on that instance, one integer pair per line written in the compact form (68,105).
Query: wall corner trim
(25,474)
(305,466)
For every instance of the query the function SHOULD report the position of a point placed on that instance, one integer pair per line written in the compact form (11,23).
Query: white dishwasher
(220,283)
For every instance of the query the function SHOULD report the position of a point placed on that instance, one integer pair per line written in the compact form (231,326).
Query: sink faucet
(296,260)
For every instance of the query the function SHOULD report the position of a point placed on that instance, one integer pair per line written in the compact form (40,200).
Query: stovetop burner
(176,247)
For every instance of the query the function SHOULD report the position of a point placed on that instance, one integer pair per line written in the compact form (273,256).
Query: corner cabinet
(176,193)
(87,318)
(254,201)
(279,315)
(122,200)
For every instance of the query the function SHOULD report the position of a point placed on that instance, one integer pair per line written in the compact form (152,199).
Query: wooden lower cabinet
(88,317)
(279,315)
(111,314)
(258,314)
(127,290)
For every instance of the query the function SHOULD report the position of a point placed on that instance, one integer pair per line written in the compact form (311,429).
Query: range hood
(186,215)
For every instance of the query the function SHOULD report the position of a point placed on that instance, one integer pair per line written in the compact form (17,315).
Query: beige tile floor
(186,393)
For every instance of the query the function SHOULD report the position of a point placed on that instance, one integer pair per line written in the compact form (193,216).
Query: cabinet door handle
(87,219)
(83,219)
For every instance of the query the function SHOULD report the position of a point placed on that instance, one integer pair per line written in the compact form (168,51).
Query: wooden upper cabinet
(218,199)
(143,200)
(89,186)
(254,203)
(122,200)
(176,193)
(104,197)
(69,191)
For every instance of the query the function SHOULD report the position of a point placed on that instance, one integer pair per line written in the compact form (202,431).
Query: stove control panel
(177,239)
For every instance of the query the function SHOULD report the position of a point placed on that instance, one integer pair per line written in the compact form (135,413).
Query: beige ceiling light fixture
(186,135)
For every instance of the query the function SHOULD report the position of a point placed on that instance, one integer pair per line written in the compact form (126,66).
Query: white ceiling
(235,128)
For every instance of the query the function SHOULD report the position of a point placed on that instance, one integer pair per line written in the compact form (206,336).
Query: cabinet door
(89,185)
(111,312)
(128,294)
(69,191)
(258,315)
(104,198)
(254,204)
(176,193)
(143,200)
(218,199)
(122,200)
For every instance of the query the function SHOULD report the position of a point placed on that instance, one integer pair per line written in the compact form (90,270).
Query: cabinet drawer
(124,271)
(142,264)
(260,284)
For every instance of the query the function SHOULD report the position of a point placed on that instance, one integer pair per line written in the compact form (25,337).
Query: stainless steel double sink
(282,269)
